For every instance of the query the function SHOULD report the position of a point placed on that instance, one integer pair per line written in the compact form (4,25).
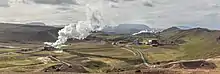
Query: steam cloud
(152,30)
(143,31)
(81,29)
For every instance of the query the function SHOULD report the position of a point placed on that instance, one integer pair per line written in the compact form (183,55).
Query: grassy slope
(103,57)
(97,53)
(200,43)
(16,62)
(163,55)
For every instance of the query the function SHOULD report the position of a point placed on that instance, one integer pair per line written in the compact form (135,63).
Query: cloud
(3,3)
(155,13)
(56,1)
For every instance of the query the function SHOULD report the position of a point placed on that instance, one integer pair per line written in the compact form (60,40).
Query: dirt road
(137,52)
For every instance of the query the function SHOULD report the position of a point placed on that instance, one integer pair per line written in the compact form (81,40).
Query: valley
(103,53)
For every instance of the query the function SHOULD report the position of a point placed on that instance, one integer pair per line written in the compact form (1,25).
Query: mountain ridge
(126,28)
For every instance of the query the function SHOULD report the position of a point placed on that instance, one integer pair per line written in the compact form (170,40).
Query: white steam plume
(81,29)
(143,31)
(152,30)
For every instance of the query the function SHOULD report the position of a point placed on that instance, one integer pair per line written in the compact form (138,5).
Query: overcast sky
(154,13)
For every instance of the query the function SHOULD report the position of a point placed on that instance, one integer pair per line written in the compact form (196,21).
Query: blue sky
(155,13)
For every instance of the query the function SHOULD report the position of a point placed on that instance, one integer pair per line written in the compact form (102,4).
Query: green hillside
(198,42)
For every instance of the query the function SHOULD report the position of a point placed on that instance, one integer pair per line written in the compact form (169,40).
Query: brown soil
(65,68)
(172,71)
(191,64)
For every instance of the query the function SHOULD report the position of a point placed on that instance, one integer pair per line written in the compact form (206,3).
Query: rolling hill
(198,42)
(27,33)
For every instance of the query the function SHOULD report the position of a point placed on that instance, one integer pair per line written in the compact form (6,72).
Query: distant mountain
(126,28)
(36,23)
(184,27)
(130,28)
